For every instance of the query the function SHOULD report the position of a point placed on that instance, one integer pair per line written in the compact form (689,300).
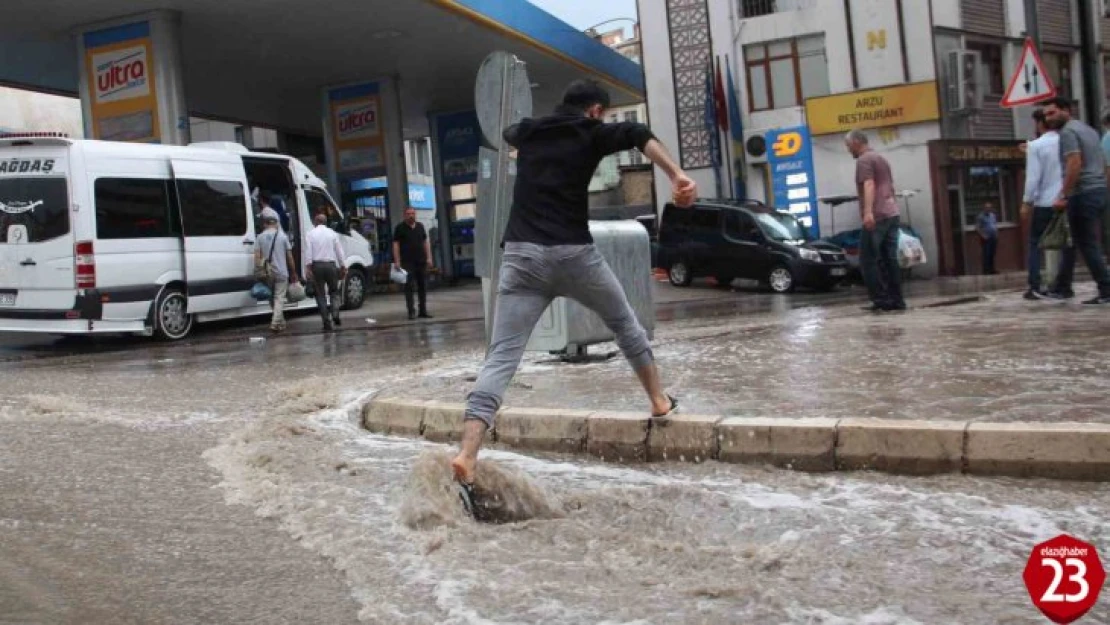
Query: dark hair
(582,94)
(1059,102)
(1038,116)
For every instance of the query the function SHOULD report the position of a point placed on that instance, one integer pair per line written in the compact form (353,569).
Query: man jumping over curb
(549,253)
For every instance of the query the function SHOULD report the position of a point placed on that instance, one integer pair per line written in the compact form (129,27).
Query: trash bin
(567,326)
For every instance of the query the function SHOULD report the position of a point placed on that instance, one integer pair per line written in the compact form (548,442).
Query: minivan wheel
(354,290)
(679,274)
(780,280)
(172,321)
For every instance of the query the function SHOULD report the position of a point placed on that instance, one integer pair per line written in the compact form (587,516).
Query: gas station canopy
(266,63)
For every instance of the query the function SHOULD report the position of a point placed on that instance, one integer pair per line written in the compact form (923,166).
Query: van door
(36,234)
(218,231)
(743,254)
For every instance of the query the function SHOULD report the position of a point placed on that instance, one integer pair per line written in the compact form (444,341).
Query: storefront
(967,176)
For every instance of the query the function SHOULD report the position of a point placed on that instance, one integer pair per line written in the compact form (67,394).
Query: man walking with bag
(273,256)
(412,252)
(326,269)
(878,244)
(1083,197)
(1043,180)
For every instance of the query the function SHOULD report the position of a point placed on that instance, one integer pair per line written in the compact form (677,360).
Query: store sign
(356,130)
(459,138)
(874,108)
(794,186)
(119,69)
(985,153)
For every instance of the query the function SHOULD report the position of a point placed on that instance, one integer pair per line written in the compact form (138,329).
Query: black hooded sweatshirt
(556,158)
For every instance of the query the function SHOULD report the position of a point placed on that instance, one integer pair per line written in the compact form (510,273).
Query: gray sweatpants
(531,277)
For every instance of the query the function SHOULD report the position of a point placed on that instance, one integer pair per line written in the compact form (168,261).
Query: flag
(736,125)
(719,100)
(711,125)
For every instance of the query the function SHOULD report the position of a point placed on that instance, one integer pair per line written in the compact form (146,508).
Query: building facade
(607,176)
(923,78)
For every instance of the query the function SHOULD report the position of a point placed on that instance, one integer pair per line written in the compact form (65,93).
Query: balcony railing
(755,8)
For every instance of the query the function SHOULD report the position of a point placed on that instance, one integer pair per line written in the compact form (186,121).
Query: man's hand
(1061,204)
(869,222)
(684,190)
(431,265)
(1026,209)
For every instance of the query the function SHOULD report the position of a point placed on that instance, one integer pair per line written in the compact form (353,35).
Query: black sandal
(670,411)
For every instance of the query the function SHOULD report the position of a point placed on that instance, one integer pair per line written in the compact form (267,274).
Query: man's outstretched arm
(684,190)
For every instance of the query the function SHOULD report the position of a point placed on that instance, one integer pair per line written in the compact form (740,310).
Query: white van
(106,237)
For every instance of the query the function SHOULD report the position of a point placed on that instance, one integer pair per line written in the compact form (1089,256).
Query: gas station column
(132,83)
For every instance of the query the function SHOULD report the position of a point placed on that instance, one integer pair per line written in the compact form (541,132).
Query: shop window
(991,56)
(992,185)
(787,72)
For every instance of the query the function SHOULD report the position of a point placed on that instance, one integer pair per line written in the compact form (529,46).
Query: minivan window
(706,220)
(781,227)
(134,208)
(739,226)
(212,208)
(40,205)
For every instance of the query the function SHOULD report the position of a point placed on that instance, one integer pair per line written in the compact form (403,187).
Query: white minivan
(107,237)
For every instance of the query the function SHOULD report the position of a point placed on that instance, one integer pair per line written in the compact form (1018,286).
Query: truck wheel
(354,289)
(680,274)
(172,321)
(781,280)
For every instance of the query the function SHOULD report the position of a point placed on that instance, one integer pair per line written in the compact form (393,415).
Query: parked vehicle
(748,240)
(106,237)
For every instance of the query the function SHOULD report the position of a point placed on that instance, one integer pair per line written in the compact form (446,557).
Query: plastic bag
(261,292)
(398,275)
(296,292)
(910,250)
(1057,234)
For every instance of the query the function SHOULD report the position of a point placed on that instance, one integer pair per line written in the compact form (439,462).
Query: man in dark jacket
(549,253)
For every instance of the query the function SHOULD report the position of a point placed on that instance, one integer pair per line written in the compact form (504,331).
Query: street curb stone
(1077,451)
(807,444)
(906,447)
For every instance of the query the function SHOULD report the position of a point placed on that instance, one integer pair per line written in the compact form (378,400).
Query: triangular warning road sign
(1030,82)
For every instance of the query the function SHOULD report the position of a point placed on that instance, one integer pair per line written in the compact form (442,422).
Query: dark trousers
(325,281)
(990,246)
(418,280)
(1086,211)
(878,262)
(1042,216)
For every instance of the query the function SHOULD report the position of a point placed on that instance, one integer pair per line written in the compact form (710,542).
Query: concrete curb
(1074,451)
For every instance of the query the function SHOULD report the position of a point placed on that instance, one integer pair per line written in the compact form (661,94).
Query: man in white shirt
(1043,180)
(324,256)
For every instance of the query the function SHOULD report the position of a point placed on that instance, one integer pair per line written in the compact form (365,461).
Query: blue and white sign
(421,196)
(459,140)
(790,157)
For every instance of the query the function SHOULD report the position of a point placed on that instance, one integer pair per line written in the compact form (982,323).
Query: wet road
(222,481)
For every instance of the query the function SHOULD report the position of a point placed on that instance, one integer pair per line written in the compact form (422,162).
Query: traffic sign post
(1030,82)
(1064,577)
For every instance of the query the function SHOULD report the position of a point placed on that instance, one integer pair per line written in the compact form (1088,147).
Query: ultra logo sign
(121,74)
(357,121)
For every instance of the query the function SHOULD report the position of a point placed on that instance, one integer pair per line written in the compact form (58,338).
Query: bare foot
(463,467)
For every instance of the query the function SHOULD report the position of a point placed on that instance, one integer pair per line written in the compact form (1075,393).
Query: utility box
(569,327)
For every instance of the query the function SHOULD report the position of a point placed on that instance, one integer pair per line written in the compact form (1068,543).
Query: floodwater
(234,484)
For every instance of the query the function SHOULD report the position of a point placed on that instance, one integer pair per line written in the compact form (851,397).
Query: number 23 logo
(1051,594)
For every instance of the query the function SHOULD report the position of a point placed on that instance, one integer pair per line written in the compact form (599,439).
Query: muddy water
(657,544)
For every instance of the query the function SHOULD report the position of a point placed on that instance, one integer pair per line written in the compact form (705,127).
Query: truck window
(319,202)
(40,205)
(213,208)
(134,208)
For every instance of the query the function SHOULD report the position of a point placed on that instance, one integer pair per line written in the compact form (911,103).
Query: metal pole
(1032,24)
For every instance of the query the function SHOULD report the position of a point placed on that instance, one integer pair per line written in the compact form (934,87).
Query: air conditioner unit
(964,81)
(755,146)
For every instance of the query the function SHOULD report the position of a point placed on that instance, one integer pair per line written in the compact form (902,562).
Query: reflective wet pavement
(218,482)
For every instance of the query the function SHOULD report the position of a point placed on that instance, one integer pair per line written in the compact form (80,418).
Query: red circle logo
(1064,577)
